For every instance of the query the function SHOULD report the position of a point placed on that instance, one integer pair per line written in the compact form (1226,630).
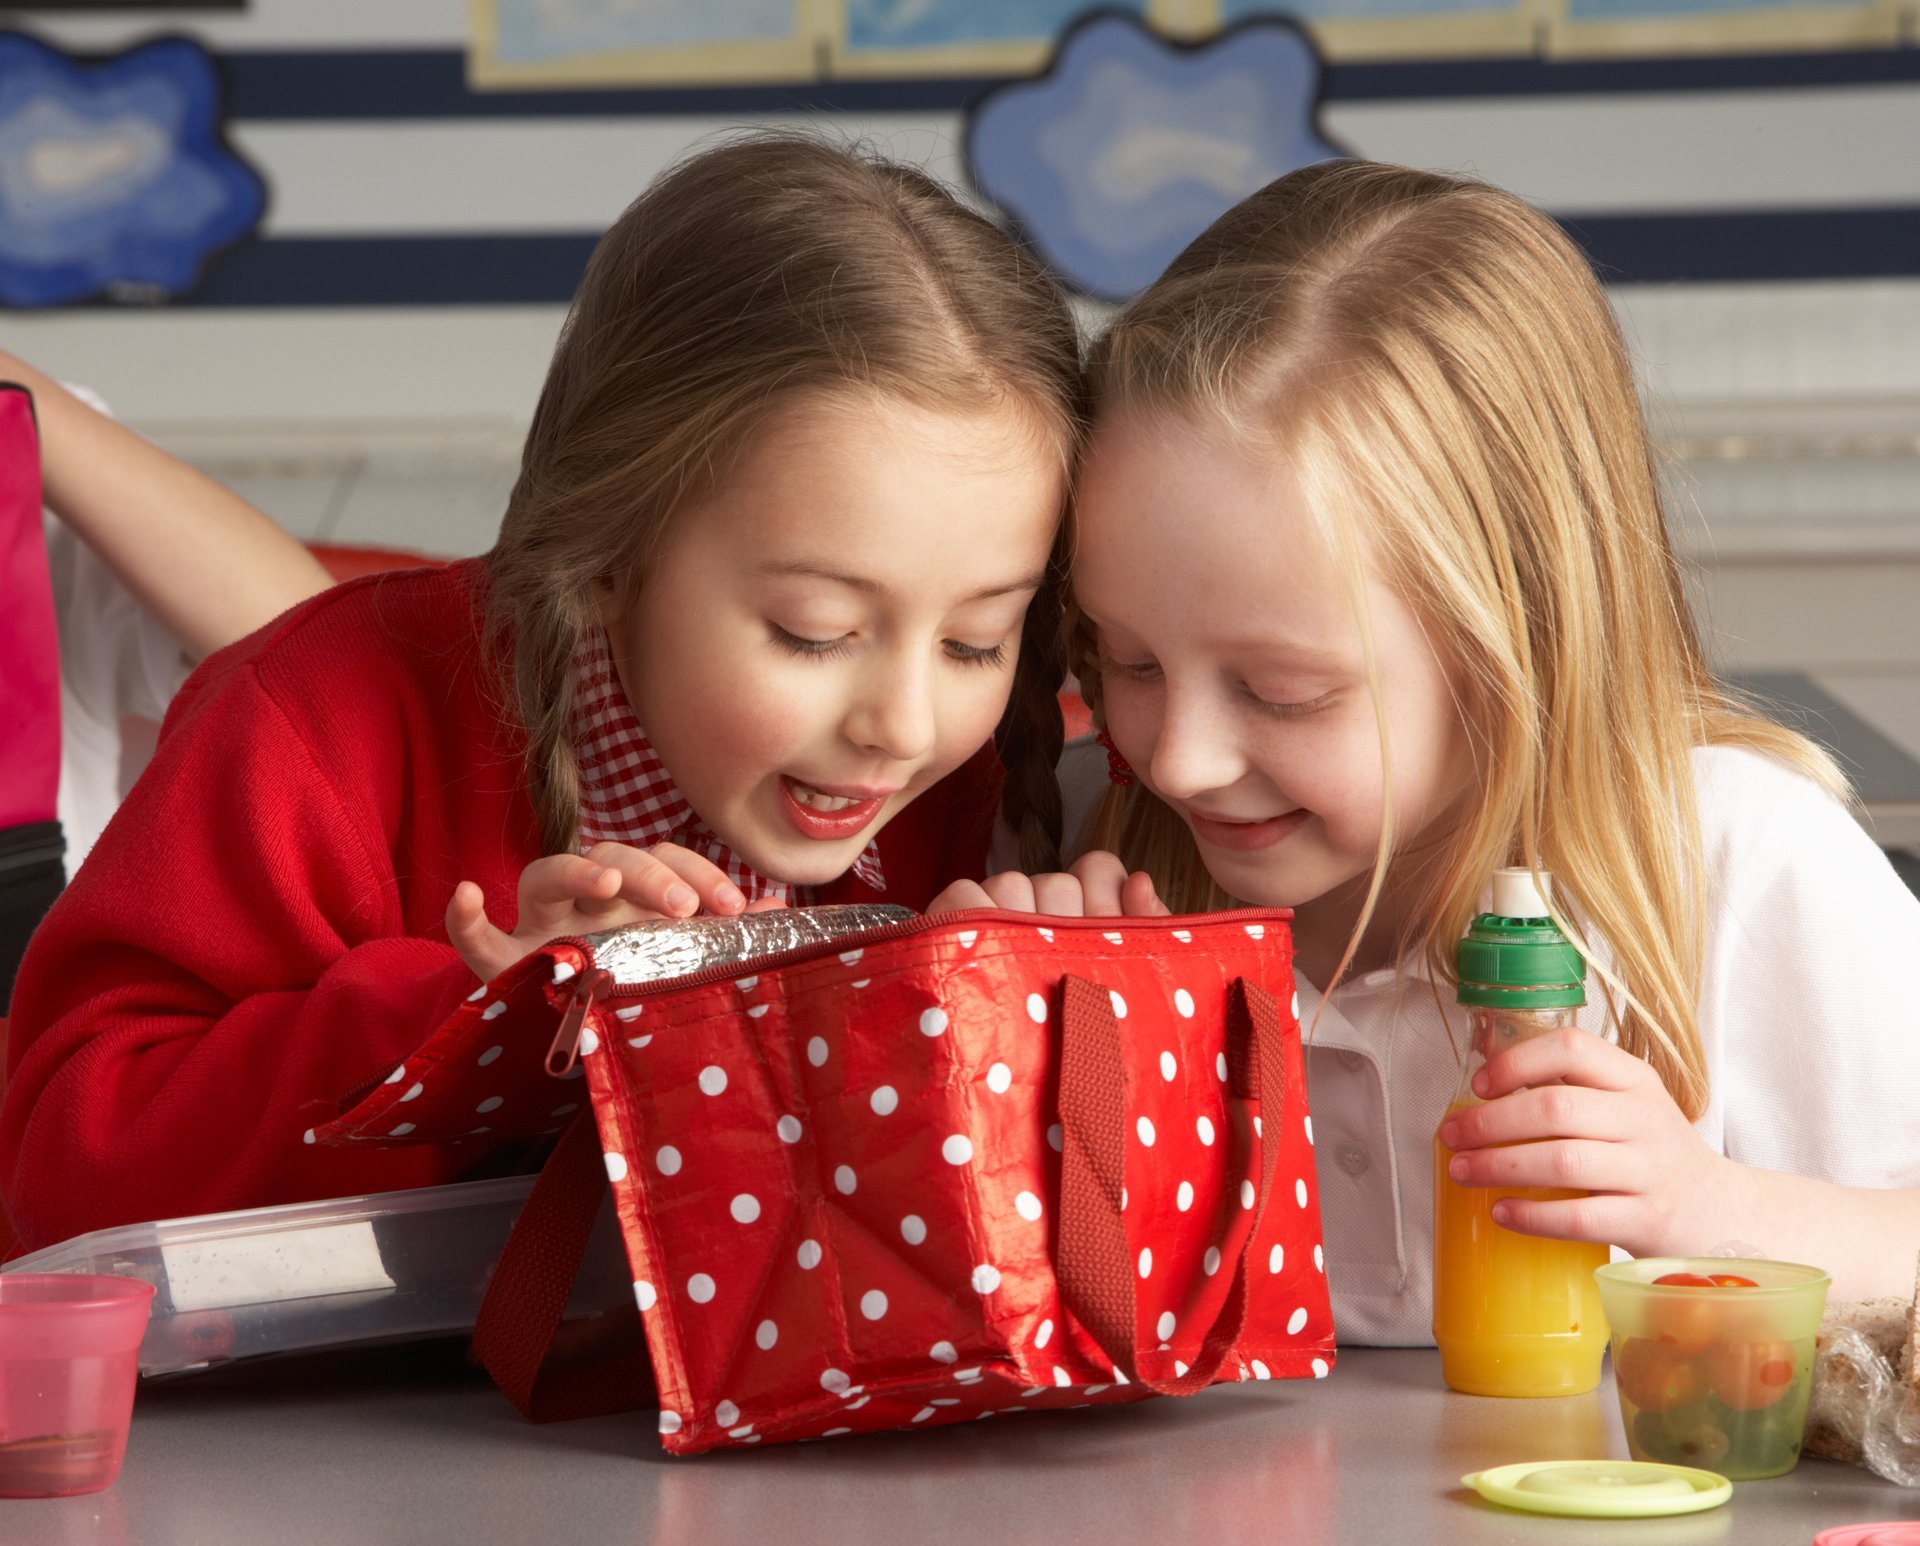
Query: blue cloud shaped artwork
(114,177)
(1129,146)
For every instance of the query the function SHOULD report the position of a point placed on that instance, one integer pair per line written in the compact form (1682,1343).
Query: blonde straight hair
(1438,364)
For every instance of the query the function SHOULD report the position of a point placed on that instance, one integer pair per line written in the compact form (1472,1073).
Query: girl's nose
(1195,751)
(893,713)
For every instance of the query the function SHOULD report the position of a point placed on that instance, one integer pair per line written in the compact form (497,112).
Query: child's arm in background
(207,564)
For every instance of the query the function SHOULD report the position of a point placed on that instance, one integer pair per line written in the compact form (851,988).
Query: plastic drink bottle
(1514,1315)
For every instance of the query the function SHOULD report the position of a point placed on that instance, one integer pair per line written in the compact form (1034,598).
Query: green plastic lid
(1601,1489)
(1515,957)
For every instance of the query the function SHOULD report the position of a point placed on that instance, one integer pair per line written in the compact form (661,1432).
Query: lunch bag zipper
(596,985)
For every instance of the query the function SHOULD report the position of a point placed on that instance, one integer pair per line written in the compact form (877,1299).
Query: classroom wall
(1762,216)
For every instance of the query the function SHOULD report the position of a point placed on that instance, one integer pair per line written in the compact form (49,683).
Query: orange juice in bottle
(1514,1315)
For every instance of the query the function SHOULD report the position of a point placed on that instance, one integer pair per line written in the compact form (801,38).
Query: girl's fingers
(709,882)
(958,897)
(1101,876)
(669,879)
(1011,892)
(1603,1220)
(485,949)
(1059,896)
(553,887)
(1546,1111)
(1138,899)
(1569,1056)
(1570,1164)
(766,904)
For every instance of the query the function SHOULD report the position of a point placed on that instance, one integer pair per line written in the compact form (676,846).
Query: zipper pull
(565,1051)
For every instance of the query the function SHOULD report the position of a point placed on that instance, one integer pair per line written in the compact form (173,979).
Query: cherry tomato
(1658,1376)
(1749,1376)
(1684,1320)
(1731,1280)
(1685,1280)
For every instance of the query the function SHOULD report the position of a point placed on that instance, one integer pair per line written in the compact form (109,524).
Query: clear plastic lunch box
(395,1267)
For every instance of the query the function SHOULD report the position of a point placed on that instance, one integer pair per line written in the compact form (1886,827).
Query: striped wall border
(277,86)
(515,270)
(544,270)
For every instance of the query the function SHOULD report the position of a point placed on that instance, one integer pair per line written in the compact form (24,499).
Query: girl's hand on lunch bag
(1098,886)
(608,887)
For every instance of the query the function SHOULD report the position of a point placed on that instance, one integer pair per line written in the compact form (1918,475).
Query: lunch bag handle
(518,1337)
(1095,1265)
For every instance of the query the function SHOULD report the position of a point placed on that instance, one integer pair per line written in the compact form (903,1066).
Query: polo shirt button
(1353,1159)
(1351,1060)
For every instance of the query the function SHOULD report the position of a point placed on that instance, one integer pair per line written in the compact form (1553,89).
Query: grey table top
(410,1448)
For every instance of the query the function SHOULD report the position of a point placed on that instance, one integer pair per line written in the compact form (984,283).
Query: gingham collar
(628,796)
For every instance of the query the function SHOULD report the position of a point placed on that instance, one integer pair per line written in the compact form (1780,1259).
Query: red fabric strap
(1095,1265)
(549,1371)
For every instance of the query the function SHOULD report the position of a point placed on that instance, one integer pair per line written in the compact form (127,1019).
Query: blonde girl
(1375,594)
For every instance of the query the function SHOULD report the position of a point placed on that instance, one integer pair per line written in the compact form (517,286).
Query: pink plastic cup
(69,1359)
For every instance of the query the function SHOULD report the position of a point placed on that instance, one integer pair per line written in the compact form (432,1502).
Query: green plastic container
(1716,1378)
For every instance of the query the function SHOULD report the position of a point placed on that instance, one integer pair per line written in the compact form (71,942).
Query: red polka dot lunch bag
(876,1171)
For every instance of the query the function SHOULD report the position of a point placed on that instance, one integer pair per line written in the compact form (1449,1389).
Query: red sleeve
(230,960)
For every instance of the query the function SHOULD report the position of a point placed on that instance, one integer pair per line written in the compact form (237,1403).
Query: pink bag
(937,1170)
(31,873)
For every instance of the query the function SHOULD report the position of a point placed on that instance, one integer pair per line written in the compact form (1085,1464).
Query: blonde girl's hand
(608,887)
(1097,886)
(1571,1111)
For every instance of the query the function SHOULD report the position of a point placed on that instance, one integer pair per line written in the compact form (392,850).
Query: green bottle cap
(1515,959)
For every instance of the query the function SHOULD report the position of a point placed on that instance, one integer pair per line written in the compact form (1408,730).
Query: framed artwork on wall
(1577,27)
(543,43)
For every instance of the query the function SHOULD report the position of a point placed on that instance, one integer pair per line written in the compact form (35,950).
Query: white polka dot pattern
(801,1123)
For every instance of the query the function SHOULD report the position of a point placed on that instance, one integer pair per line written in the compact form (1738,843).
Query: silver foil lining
(644,953)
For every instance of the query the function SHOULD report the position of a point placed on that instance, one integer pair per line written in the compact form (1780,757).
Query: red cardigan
(260,929)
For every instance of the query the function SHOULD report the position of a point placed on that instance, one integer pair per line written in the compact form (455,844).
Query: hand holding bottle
(1568,1110)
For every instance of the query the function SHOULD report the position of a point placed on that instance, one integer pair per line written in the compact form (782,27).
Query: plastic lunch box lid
(1602,1489)
(1893,1532)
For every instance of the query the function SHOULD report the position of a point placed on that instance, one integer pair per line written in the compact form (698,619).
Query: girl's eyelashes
(1142,671)
(809,649)
(829,649)
(1297,710)
(975,655)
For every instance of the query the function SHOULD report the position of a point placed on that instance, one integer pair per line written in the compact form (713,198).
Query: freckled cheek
(1332,771)
(1133,720)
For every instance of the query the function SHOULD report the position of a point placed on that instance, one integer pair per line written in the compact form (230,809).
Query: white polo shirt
(1809,1016)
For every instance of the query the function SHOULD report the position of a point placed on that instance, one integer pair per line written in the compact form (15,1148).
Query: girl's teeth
(813,799)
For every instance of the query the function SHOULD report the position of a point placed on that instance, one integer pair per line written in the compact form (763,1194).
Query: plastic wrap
(1862,1411)
(645,953)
